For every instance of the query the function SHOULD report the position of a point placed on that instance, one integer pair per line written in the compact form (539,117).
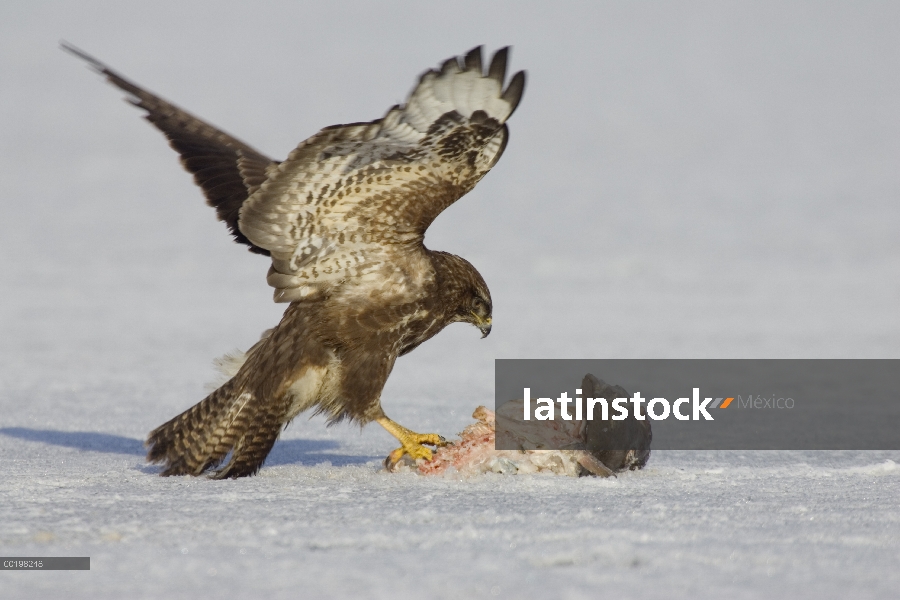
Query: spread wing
(227,169)
(352,198)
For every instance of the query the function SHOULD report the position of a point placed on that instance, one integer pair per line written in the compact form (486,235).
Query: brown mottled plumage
(343,219)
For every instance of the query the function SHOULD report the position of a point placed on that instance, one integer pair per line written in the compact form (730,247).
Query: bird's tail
(227,422)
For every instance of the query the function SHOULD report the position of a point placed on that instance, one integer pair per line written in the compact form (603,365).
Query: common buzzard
(343,219)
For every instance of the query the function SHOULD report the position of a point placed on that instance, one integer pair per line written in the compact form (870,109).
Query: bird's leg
(410,442)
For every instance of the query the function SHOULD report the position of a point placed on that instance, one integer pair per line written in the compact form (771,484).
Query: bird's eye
(479,306)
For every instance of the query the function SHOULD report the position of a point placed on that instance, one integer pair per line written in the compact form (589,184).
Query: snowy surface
(692,180)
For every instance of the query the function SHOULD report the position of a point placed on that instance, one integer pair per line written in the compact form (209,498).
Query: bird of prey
(343,219)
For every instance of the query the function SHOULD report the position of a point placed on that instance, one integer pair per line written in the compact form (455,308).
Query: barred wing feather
(350,198)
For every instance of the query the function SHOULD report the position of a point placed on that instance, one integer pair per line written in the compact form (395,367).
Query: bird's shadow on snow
(285,452)
(81,440)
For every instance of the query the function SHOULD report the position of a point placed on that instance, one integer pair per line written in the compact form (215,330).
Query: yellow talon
(410,442)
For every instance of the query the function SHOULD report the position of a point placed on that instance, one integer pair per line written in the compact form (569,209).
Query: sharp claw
(392,459)
(432,439)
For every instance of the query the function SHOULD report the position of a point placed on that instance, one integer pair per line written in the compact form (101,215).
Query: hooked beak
(484,327)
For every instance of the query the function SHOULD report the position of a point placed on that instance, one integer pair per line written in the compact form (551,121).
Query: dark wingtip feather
(497,70)
(75,51)
(451,65)
(101,68)
(111,76)
(473,60)
(513,93)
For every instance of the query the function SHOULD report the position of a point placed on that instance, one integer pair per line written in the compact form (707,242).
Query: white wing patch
(351,198)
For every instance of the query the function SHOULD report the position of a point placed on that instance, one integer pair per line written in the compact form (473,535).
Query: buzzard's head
(475,305)
(479,309)
(465,294)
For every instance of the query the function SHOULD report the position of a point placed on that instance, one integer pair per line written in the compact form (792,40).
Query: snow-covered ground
(690,180)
